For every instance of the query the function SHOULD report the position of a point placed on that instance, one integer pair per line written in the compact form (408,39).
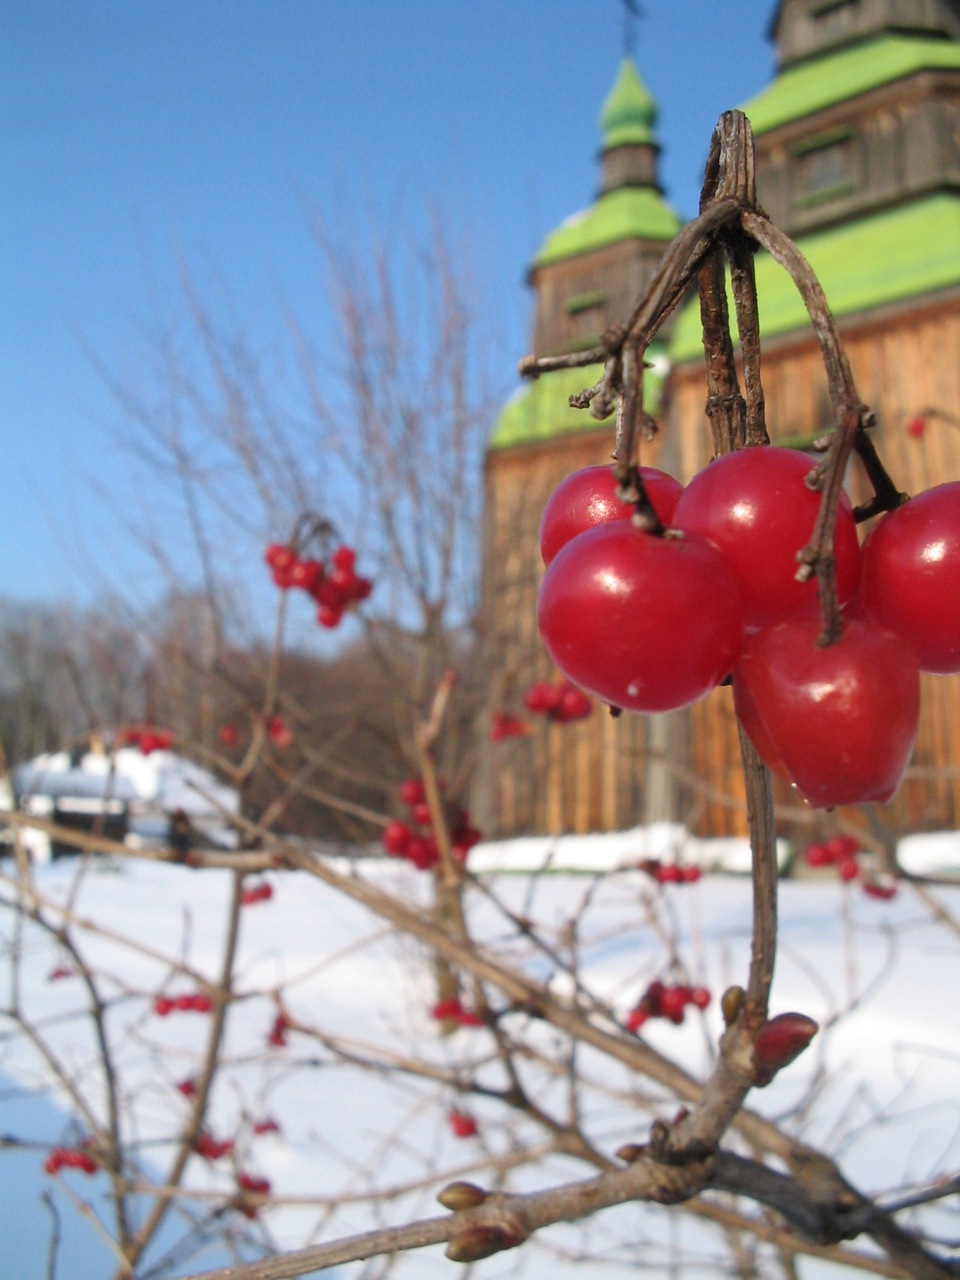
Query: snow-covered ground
(881,1086)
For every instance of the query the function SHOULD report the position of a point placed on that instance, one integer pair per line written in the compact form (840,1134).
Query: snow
(880,1086)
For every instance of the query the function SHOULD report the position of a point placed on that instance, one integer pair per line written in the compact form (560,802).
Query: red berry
(883,889)
(208,1147)
(911,575)
(306,575)
(330,616)
(645,623)
(757,508)
(847,869)
(344,558)
(636,1018)
(279,556)
(573,705)
(59,972)
(916,427)
(396,838)
(187,1087)
(412,792)
(462,1124)
(673,1002)
(163,1006)
(842,846)
(420,813)
(778,1042)
(817,855)
(277,1037)
(506,726)
(589,497)
(279,732)
(267,1125)
(843,718)
(700,997)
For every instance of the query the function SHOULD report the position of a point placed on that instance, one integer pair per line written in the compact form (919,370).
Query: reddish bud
(778,1042)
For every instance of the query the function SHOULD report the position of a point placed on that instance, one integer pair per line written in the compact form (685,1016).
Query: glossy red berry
(843,718)
(646,623)
(589,497)
(757,508)
(911,575)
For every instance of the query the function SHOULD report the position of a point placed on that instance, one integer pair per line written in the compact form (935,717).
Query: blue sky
(138,133)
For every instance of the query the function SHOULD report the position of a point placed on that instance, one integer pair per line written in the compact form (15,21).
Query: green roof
(541,410)
(627,213)
(891,256)
(629,113)
(836,77)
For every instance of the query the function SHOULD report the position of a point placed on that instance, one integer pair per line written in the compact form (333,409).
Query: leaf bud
(462,1195)
(481,1242)
(630,1151)
(731,1002)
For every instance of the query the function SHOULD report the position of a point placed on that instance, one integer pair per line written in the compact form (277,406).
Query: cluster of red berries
(250,1185)
(335,587)
(415,839)
(210,1148)
(462,1124)
(842,852)
(669,872)
(277,1035)
(503,725)
(670,1002)
(560,701)
(261,892)
(145,737)
(452,1009)
(70,1158)
(652,619)
(197,1002)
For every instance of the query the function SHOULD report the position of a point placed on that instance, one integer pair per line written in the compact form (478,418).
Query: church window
(834,20)
(825,167)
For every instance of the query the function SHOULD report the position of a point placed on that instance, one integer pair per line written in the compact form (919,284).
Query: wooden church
(858,159)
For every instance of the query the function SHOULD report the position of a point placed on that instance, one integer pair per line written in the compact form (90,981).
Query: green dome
(629,113)
(628,213)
